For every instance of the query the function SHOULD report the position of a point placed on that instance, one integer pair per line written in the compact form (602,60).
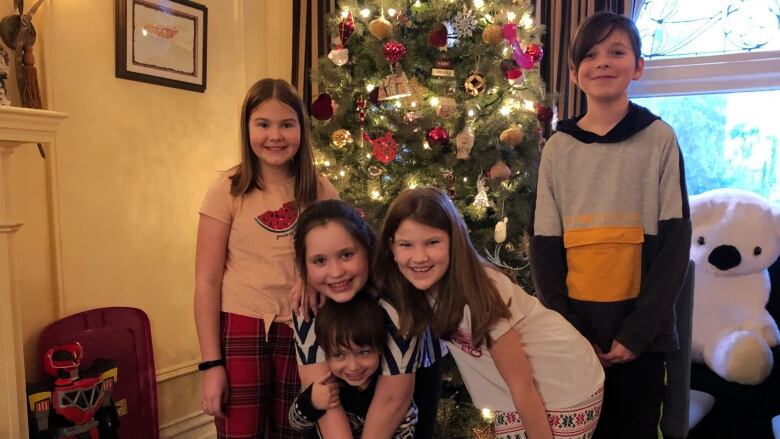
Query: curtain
(310,41)
(562,17)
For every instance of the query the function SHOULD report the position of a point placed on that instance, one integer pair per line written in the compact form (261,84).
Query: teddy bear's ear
(701,209)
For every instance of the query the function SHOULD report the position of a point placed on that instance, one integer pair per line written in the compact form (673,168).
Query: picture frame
(162,42)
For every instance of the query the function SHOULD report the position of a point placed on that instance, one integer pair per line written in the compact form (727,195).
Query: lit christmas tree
(441,93)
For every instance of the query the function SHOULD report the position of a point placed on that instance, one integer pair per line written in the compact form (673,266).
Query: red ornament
(535,51)
(438,136)
(544,113)
(394,51)
(361,107)
(322,108)
(438,36)
(384,148)
(346,27)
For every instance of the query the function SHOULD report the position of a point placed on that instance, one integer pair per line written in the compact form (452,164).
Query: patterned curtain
(562,17)
(310,41)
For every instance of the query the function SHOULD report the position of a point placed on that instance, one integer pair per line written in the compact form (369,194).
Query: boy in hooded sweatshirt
(611,228)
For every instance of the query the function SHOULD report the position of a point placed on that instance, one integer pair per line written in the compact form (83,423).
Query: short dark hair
(359,321)
(324,212)
(596,29)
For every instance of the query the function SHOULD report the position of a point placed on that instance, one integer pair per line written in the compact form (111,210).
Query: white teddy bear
(736,237)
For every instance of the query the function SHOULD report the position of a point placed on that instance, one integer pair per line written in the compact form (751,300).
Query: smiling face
(274,135)
(608,68)
(336,264)
(422,254)
(354,364)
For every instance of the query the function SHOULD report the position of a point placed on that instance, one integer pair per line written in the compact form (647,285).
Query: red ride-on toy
(73,404)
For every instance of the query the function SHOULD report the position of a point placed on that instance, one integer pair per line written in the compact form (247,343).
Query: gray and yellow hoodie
(612,231)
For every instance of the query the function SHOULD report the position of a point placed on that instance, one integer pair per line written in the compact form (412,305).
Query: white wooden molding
(177,370)
(197,424)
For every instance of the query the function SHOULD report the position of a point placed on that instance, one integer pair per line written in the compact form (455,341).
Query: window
(712,71)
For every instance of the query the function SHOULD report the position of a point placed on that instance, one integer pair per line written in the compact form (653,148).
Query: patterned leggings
(262,379)
(574,422)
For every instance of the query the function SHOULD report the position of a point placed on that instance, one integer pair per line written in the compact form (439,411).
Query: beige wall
(129,170)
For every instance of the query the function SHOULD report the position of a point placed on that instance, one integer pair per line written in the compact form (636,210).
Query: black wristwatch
(209,364)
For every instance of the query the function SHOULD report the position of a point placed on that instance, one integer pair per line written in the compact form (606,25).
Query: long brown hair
(247,174)
(465,283)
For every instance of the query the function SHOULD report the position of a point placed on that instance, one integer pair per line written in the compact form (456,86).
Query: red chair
(123,335)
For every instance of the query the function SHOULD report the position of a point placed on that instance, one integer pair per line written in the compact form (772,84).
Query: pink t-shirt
(260,259)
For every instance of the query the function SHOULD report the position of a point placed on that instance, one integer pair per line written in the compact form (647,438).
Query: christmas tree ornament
(438,136)
(394,86)
(339,56)
(322,108)
(481,199)
(341,137)
(507,65)
(511,136)
(464,141)
(449,181)
(464,23)
(442,67)
(475,84)
(515,77)
(380,28)
(438,36)
(500,171)
(447,107)
(384,148)
(374,171)
(346,27)
(412,118)
(535,51)
(544,113)
(360,104)
(523,60)
(499,233)
(404,20)
(492,34)
(394,51)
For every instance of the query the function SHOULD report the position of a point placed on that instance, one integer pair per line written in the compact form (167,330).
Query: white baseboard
(195,426)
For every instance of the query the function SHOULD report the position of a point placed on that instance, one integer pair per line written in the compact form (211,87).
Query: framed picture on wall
(162,42)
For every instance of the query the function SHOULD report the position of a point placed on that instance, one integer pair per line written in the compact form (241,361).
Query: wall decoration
(162,42)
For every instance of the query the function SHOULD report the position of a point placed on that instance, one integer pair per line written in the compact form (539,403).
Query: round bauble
(500,171)
(544,113)
(380,28)
(511,136)
(535,51)
(475,84)
(438,36)
(341,137)
(492,34)
(394,51)
(438,136)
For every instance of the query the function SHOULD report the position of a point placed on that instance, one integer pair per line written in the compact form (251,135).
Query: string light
(345,13)
(434,102)
(479,4)
(487,414)
(369,87)
(426,145)
(365,13)
(510,16)
(471,113)
(391,12)
(527,21)
(505,110)
(342,173)
(326,163)
(375,194)
(529,105)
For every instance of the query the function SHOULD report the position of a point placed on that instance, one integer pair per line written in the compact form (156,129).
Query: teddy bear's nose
(724,257)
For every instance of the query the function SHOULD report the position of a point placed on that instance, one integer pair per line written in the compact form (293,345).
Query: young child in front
(352,334)
(612,229)
(517,358)
(333,247)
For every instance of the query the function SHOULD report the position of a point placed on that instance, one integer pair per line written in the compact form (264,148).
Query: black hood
(637,119)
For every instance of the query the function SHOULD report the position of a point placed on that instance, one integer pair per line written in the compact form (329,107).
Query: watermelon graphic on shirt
(279,221)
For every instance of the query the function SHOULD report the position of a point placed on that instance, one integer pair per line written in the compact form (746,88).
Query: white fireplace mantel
(18,126)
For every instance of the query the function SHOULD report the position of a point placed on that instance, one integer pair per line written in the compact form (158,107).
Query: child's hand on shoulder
(325,393)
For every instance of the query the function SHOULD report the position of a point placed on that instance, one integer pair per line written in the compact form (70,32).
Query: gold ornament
(374,171)
(475,83)
(500,171)
(380,28)
(341,137)
(511,136)
(499,234)
(492,34)
(464,142)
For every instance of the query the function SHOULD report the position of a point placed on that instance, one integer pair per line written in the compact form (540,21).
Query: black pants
(427,390)
(633,393)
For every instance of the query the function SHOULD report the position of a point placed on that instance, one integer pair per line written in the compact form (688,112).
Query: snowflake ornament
(464,23)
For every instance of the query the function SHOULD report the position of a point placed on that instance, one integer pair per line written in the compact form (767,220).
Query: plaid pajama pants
(574,422)
(262,379)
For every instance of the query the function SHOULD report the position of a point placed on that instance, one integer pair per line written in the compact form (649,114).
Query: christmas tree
(439,93)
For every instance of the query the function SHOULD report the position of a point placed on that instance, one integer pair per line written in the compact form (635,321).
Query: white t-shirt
(565,368)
